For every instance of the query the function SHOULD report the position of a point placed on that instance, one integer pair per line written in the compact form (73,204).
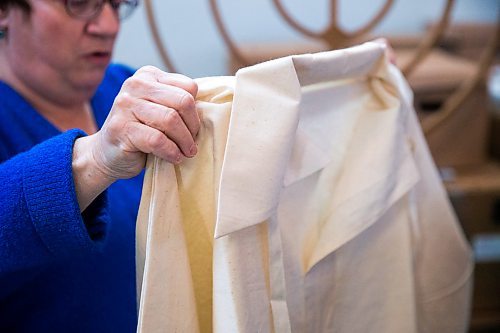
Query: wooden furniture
(475,195)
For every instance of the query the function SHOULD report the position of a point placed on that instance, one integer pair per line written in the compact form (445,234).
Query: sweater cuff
(51,199)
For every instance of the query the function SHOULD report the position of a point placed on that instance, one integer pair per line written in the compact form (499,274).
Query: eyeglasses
(89,9)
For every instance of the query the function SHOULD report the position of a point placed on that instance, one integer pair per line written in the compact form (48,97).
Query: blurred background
(189,32)
(456,81)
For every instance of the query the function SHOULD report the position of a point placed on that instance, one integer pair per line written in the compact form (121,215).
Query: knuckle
(171,119)
(134,83)
(156,141)
(129,128)
(113,126)
(123,100)
(147,69)
(115,129)
(117,125)
(185,82)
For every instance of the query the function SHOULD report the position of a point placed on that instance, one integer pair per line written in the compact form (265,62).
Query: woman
(67,221)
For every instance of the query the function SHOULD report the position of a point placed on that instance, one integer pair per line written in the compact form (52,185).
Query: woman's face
(51,52)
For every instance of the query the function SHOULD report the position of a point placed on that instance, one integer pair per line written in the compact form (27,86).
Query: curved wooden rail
(453,102)
(429,41)
(233,48)
(333,34)
(157,37)
(295,24)
(336,37)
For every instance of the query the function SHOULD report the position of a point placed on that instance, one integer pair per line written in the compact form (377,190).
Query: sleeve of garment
(40,219)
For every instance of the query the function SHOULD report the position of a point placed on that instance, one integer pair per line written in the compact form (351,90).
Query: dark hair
(23,4)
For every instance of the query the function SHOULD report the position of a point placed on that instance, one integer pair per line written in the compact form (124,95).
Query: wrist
(88,176)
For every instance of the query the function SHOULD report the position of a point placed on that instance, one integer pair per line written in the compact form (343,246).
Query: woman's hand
(154,112)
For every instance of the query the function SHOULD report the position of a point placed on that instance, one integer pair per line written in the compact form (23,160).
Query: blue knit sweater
(62,271)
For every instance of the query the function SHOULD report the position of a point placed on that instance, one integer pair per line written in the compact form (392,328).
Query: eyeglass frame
(115,4)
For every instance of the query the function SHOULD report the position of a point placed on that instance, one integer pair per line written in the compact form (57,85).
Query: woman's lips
(99,58)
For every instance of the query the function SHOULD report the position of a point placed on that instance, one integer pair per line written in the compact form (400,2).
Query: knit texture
(60,270)
(50,202)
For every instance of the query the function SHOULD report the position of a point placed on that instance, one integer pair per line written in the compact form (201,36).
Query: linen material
(444,289)
(176,225)
(330,214)
(167,252)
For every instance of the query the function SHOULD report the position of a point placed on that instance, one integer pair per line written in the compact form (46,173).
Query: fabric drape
(313,205)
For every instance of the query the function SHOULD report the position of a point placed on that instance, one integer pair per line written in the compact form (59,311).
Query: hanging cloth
(313,205)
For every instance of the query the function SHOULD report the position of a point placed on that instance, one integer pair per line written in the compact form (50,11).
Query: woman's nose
(106,23)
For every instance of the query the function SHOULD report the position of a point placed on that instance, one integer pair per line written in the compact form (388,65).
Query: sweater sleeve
(40,219)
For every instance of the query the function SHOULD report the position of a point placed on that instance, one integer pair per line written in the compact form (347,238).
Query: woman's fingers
(177,80)
(154,112)
(169,122)
(152,141)
(175,91)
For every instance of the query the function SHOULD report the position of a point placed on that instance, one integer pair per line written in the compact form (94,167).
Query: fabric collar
(260,161)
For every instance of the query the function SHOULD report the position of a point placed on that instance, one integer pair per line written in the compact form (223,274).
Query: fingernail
(193,150)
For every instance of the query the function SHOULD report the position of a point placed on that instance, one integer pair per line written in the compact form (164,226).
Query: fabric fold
(264,107)
(312,205)
(164,257)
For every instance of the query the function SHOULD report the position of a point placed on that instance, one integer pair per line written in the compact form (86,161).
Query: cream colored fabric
(313,205)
